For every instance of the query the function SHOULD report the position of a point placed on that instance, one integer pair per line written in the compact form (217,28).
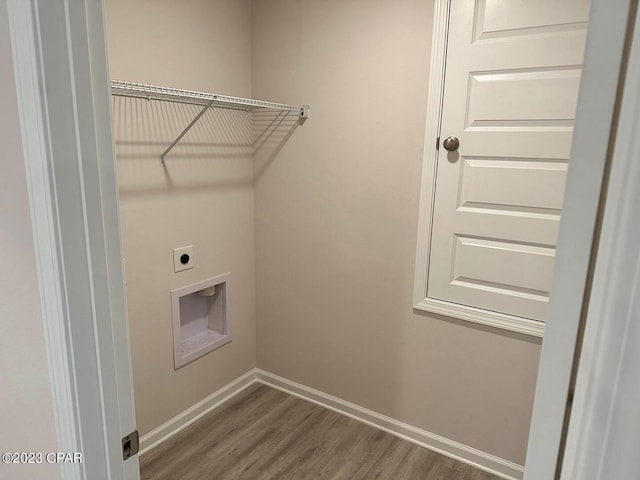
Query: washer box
(200,315)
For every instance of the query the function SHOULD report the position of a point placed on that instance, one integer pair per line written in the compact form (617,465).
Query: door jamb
(62,89)
(585,196)
(50,276)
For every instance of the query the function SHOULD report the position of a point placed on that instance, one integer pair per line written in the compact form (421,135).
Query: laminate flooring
(263,433)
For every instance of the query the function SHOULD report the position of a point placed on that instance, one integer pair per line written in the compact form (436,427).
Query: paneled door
(510,94)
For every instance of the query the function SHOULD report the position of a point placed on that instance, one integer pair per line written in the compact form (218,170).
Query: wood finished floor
(263,433)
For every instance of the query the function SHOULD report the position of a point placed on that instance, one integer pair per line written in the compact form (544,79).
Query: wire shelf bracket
(205,100)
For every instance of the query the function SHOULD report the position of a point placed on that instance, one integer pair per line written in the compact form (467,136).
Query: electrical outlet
(182,258)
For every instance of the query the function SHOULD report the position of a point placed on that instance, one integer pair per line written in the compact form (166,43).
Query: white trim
(503,321)
(421,300)
(195,412)
(603,436)
(35,143)
(59,47)
(471,456)
(432,131)
(595,118)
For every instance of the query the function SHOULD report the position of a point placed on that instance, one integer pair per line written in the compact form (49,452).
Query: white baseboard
(193,413)
(471,456)
(483,461)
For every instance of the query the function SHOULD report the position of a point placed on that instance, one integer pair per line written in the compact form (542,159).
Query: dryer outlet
(183,258)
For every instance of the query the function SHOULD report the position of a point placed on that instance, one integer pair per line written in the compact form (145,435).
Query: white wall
(26,404)
(336,222)
(204,196)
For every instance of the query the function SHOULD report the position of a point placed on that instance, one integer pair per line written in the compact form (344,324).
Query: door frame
(587,276)
(62,87)
(603,430)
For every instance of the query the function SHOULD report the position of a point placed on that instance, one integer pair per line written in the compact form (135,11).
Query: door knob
(451,144)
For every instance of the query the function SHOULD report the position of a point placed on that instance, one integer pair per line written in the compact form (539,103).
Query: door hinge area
(130,445)
(437,143)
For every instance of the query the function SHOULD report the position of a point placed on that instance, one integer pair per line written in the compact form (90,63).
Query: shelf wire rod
(152,92)
(266,129)
(199,103)
(184,132)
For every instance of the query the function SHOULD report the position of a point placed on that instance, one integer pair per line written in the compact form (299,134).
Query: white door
(510,94)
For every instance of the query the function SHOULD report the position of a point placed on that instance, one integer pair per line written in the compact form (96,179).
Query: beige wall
(203,197)
(191,44)
(336,221)
(25,388)
(335,214)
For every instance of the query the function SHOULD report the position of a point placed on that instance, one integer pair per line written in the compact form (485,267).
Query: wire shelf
(205,100)
(153,92)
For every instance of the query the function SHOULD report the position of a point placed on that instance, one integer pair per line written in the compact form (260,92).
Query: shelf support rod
(184,132)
